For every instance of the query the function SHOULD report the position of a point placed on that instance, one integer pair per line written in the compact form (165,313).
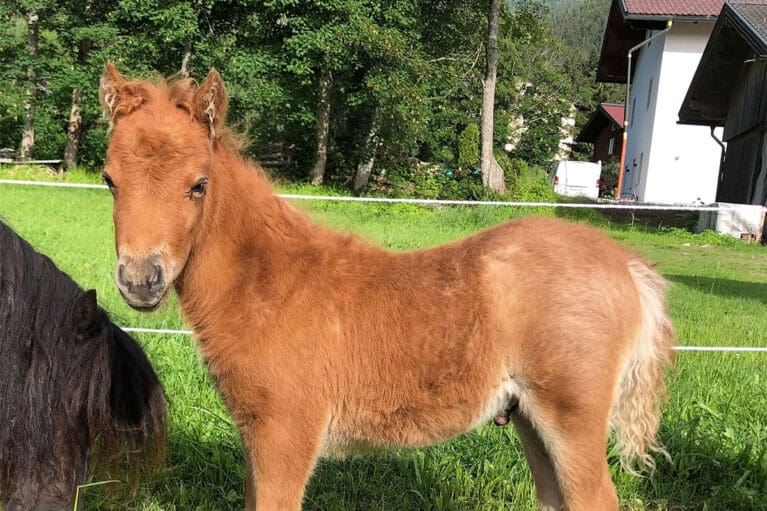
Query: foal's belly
(356,427)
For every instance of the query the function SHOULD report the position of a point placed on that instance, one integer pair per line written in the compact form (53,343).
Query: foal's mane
(176,90)
(61,391)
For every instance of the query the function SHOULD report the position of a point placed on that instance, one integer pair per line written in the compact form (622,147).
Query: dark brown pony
(71,384)
(322,344)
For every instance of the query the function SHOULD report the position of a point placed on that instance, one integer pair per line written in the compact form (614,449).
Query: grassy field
(715,425)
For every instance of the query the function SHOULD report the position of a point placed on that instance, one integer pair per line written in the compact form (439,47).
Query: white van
(577,178)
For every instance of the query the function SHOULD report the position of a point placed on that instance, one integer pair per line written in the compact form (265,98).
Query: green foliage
(414,69)
(534,93)
(608,180)
(580,26)
(524,182)
(468,147)
(430,181)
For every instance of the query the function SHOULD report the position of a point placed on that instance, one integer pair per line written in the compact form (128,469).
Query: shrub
(608,180)
(429,181)
(468,147)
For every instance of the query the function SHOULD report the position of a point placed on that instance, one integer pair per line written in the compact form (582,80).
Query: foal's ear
(209,102)
(86,313)
(117,95)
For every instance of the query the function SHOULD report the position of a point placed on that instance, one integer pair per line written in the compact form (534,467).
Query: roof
(739,35)
(629,20)
(604,115)
(675,8)
(614,111)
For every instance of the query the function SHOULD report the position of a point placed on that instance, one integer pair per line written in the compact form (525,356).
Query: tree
(365,165)
(317,174)
(84,29)
(534,91)
(492,173)
(28,135)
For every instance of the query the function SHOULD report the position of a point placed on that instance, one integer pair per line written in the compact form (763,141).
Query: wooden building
(729,89)
(604,129)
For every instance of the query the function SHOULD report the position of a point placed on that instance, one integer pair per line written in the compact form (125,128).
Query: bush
(468,147)
(429,181)
(93,148)
(525,183)
(608,180)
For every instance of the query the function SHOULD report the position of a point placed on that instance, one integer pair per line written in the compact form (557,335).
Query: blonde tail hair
(641,392)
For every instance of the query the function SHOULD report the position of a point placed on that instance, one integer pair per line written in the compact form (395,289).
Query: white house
(665,162)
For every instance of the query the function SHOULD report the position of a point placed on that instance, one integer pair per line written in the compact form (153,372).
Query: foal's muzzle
(141,281)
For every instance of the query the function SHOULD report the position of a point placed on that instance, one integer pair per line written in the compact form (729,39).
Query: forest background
(396,84)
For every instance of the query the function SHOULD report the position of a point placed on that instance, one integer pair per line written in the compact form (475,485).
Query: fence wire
(435,202)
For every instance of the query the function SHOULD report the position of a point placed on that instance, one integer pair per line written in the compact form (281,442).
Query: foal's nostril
(121,275)
(157,275)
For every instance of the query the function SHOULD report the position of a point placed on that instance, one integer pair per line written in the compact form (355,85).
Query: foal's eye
(198,190)
(108,181)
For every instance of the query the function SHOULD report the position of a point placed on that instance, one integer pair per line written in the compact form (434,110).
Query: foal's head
(158,169)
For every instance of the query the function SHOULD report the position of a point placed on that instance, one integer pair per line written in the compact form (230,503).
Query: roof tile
(674,7)
(614,111)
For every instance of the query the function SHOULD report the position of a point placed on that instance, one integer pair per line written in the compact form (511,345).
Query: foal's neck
(249,242)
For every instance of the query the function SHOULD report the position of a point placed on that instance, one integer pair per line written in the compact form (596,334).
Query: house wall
(742,167)
(747,106)
(669,162)
(602,144)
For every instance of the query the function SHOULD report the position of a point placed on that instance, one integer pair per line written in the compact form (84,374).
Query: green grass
(715,425)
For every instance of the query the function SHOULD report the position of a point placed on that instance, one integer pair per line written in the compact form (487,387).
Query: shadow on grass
(723,287)
(706,475)
(210,476)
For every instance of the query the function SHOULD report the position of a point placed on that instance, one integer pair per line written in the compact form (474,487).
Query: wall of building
(668,162)
(641,119)
(602,144)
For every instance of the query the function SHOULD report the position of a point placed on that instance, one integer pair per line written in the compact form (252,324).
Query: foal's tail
(641,390)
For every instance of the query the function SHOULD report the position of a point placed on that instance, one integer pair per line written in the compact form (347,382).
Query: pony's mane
(61,392)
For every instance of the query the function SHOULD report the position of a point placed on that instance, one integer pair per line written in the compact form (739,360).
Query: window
(611,146)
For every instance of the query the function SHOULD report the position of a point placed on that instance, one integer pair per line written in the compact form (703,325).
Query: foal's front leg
(283,450)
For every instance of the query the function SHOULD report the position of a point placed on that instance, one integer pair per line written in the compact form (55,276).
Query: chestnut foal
(321,343)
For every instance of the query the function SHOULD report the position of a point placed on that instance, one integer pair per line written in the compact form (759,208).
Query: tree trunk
(28,135)
(73,131)
(365,166)
(492,174)
(185,60)
(317,174)
(75,115)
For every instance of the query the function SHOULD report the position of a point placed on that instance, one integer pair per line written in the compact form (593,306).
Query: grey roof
(740,34)
(753,14)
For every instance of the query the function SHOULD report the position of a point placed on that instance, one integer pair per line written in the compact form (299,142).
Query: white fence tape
(676,348)
(49,183)
(435,202)
(341,198)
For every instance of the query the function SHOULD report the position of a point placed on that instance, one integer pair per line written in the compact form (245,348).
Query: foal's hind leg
(575,440)
(538,459)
